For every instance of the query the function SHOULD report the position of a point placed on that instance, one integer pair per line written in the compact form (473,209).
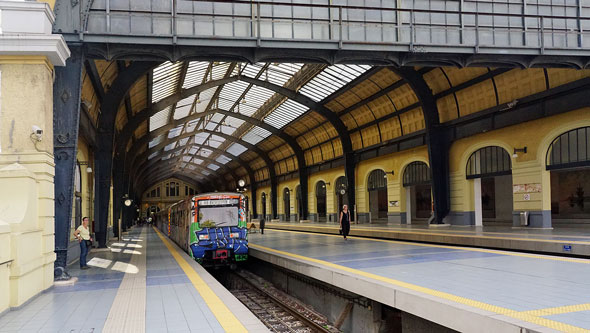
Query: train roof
(217,193)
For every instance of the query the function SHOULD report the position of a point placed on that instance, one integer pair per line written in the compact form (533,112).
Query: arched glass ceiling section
(165,80)
(195,73)
(331,79)
(236,149)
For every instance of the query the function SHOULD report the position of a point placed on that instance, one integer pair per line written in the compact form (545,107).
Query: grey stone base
(281,217)
(395,218)
(363,217)
(460,218)
(537,219)
(293,218)
(313,217)
(333,218)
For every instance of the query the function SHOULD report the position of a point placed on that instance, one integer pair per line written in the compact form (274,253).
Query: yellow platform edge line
(441,232)
(559,310)
(447,234)
(224,315)
(440,294)
(472,249)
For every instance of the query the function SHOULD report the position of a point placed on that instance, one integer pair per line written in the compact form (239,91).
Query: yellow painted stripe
(559,310)
(432,292)
(507,253)
(446,234)
(224,315)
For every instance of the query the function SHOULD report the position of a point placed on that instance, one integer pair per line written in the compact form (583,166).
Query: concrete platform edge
(453,315)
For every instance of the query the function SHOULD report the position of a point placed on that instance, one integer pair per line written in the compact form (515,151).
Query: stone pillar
(28,55)
(531,193)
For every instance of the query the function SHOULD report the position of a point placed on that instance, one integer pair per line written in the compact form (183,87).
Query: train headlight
(203,237)
(234,235)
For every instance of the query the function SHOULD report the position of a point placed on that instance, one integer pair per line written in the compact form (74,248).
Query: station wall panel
(519,83)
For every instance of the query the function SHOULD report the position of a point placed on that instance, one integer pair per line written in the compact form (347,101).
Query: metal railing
(339,24)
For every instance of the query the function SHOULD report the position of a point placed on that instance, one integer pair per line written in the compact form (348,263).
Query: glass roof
(239,97)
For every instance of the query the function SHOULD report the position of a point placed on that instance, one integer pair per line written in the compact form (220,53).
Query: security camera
(37,132)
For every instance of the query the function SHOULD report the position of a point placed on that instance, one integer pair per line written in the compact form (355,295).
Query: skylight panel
(156,141)
(165,80)
(186,158)
(197,161)
(170,146)
(255,135)
(218,70)
(205,172)
(160,119)
(191,167)
(200,138)
(330,80)
(175,132)
(193,150)
(236,149)
(254,99)
(223,159)
(183,142)
(230,93)
(152,155)
(230,124)
(285,113)
(204,98)
(213,167)
(191,125)
(166,157)
(215,141)
(280,73)
(183,107)
(195,73)
(205,152)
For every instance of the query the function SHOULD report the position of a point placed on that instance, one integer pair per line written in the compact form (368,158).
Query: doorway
(299,203)
(287,204)
(320,192)
(491,171)
(377,187)
(263,201)
(568,160)
(417,184)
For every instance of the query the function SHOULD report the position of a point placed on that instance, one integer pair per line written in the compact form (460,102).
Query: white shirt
(84,232)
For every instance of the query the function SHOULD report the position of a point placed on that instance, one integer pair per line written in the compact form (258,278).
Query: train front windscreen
(219,212)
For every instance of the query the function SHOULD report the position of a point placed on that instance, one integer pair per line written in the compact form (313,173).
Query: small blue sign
(567,248)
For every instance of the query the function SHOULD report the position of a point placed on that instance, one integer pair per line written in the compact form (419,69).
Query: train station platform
(563,241)
(466,289)
(144,283)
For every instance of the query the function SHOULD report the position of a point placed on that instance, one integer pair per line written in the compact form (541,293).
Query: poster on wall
(527,188)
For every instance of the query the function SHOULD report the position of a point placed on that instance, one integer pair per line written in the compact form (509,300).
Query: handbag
(88,243)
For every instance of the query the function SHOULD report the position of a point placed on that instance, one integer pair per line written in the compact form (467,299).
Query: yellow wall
(395,162)
(527,168)
(27,221)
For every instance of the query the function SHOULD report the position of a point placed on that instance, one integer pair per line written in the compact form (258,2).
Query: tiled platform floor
(546,291)
(157,296)
(575,240)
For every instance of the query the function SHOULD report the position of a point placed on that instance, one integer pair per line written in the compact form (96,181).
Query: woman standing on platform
(345,221)
(83,236)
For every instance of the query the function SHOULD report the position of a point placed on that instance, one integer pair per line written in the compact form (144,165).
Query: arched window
(488,161)
(416,173)
(320,189)
(172,189)
(377,180)
(570,150)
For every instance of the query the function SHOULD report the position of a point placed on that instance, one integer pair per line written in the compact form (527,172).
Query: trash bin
(524,219)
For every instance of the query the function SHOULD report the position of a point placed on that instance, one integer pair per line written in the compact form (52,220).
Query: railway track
(276,311)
